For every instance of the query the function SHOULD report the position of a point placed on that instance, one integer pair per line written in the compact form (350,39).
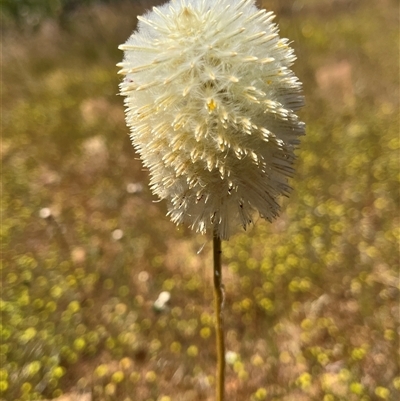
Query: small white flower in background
(231,357)
(211,102)
(134,188)
(117,234)
(45,213)
(161,302)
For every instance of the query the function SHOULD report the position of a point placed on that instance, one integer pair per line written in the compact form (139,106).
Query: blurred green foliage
(312,300)
(32,12)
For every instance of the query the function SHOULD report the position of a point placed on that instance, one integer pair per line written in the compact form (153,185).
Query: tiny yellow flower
(117,377)
(151,376)
(192,351)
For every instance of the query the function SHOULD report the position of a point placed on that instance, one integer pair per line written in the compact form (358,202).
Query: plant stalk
(219,300)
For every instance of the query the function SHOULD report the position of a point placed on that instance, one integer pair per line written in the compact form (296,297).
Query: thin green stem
(219,299)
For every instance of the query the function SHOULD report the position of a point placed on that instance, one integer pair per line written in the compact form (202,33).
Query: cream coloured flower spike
(211,103)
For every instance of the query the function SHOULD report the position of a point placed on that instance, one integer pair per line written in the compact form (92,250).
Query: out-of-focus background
(312,300)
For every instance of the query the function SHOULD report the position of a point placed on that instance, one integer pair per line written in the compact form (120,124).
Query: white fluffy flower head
(211,103)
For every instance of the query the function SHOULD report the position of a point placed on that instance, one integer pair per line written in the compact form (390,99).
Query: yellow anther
(211,105)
